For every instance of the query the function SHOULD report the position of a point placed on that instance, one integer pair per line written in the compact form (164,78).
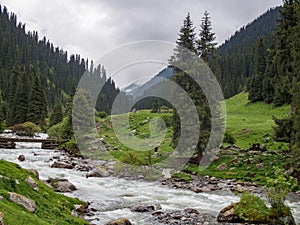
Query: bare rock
(260,166)
(98,172)
(146,208)
(32,183)
(62,165)
(21,158)
(222,167)
(21,200)
(61,185)
(122,221)
(35,172)
(227,215)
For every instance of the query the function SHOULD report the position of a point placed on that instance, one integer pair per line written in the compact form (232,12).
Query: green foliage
(278,188)
(228,138)
(51,208)
(256,83)
(155,106)
(26,129)
(102,114)
(182,176)
(72,147)
(57,114)
(252,208)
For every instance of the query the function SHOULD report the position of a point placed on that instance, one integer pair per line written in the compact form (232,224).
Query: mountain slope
(235,58)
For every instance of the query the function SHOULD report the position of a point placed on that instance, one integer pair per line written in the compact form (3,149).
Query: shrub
(26,129)
(102,114)
(228,138)
(252,209)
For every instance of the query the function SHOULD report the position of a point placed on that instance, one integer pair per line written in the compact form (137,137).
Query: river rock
(35,172)
(32,183)
(146,208)
(98,172)
(222,167)
(21,200)
(121,221)
(259,166)
(227,215)
(62,165)
(61,185)
(21,158)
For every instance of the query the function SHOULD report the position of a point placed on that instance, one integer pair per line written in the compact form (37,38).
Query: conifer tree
(57,114)
(256,83)
(37,106)
(186,40)
(205,44)
(21,99)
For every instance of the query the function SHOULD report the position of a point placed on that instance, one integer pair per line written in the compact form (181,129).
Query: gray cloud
(93,27)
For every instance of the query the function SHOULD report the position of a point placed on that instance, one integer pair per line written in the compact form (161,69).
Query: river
(113,197)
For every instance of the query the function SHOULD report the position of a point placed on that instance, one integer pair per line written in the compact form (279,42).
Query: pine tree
(256,83)
(155,106)
(283,56)
(21,99)
(57,114)
(37,106)
(185,41)
(11,114)
(268,82)
(206,45)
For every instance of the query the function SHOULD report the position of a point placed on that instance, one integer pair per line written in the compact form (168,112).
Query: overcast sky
(94,27)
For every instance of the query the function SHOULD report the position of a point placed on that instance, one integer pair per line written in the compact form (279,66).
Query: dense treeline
(235,59)
(35,75)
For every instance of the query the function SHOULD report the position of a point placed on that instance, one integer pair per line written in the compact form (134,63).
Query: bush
(26,129)
(252,209)
(228,138)
(102,114)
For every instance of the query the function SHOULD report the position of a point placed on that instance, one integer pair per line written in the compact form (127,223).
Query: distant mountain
(140,90)
(131,88)
(235,58)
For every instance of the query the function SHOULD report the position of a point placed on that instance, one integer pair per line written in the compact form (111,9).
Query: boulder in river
(227,215)
(121,221)
(21,158)
(21,200)
(61,185)
(63,165)
(98,172)
(146,208)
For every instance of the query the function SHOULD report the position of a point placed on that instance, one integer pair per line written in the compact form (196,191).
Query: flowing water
(113,197)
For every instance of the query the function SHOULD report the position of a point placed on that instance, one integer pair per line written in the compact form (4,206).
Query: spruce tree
(206,45)
(186,40)
(37,106)
(256,83)
(57,114)
(283,56)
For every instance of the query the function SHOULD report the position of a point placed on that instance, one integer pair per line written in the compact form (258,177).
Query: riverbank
(113,197)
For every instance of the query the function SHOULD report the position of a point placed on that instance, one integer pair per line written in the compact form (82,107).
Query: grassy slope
(52,208)
(252,123)
(142,122)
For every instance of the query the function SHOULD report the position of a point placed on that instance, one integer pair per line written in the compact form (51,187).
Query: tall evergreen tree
(14,80)
(205,44)
(21,99)
(268,82)
(256,83)
(57,114)
(283,56)
(186,40)
(37,106)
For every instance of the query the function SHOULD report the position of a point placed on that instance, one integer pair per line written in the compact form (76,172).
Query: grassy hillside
(252,122)
(51,208)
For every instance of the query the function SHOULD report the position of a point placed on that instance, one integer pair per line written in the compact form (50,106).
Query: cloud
(93,27)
